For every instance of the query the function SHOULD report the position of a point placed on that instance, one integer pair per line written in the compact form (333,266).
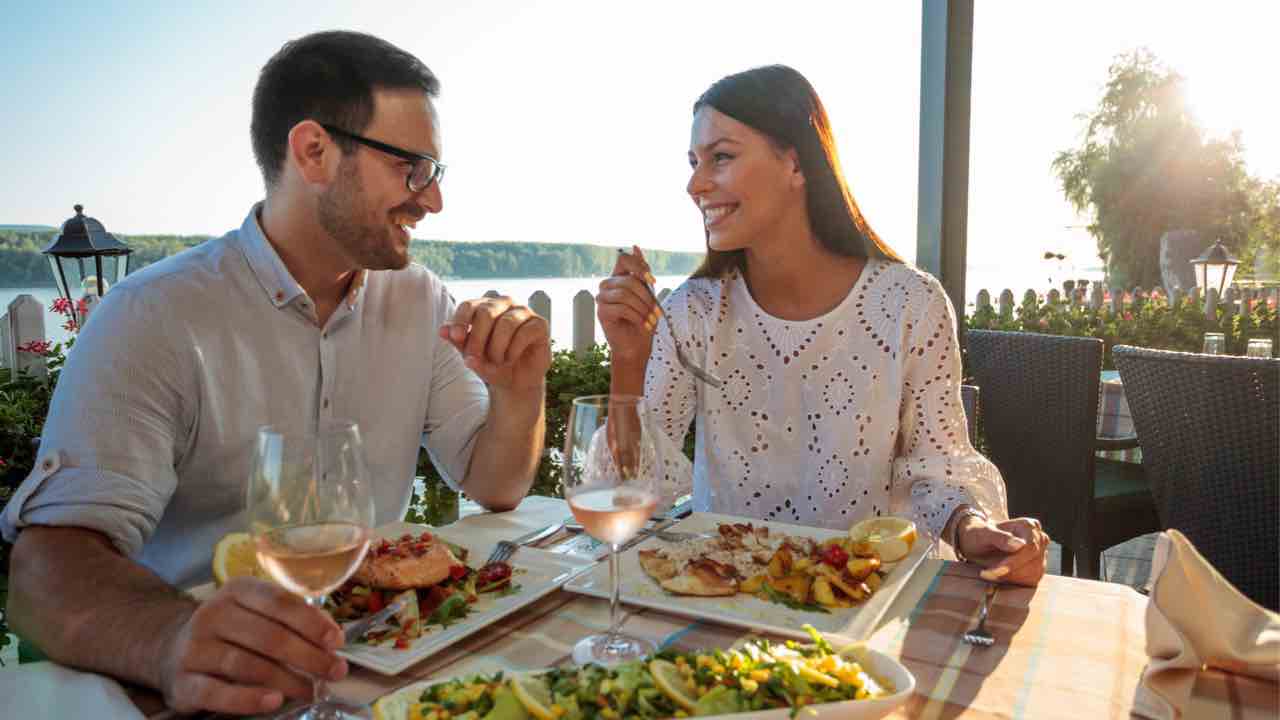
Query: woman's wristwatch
(963,512)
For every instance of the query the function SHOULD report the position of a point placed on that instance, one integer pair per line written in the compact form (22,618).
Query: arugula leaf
(784,599)
(453,609)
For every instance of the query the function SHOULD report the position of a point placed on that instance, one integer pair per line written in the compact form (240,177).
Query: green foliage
(569,377)
(21,263)
(1145,167)
(24,404)
(1152,323)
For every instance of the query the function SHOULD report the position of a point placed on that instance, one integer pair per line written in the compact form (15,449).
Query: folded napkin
(49,690)
(1196,619)
(534,512)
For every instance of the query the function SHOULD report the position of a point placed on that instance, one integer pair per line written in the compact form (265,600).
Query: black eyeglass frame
(437,168)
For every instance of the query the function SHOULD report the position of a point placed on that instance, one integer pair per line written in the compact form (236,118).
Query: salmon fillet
(409,562)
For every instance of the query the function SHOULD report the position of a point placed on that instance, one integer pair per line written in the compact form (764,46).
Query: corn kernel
(608,713)
(749,685)
(681,714)
(703,661)
(760,675)
(556,709)
(717,668)
(861,694)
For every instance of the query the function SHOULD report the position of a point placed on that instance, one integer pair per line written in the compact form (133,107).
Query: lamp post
(86,259)
(1215,269)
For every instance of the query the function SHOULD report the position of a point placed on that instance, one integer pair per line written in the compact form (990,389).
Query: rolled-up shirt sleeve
(114,432)
(457,407)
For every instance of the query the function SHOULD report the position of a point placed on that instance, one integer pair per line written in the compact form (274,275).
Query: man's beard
(340,212)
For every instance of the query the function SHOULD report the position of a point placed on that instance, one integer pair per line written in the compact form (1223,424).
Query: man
(309,312)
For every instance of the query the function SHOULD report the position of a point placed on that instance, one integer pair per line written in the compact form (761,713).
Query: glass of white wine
(310,508)
(611,482)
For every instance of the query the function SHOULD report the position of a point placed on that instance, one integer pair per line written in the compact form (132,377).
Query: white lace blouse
(821,422)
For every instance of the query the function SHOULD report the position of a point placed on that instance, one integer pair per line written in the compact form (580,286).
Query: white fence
(24,320)
(1235,301)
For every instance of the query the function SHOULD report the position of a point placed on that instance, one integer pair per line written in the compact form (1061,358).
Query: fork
(697,370)
(503,551)
(979,635)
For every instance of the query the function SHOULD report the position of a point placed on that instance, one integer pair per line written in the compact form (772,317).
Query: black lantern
(1215,269)
(86,261)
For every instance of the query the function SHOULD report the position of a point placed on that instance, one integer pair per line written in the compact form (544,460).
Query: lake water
(562,291)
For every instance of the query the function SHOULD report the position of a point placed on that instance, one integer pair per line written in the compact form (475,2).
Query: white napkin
(1195,618)
(49,690)
(534,512)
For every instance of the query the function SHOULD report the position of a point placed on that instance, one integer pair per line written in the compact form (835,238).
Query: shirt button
(324,335)
(48,463)
(326,403)
(279,296)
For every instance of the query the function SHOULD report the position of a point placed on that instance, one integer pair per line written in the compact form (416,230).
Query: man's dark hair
(328,77)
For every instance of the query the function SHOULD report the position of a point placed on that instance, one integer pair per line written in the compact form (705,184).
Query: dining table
(1068,648)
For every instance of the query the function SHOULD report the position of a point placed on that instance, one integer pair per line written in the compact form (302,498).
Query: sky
(568,121)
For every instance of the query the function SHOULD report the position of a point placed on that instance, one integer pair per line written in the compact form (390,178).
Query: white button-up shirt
(152,427)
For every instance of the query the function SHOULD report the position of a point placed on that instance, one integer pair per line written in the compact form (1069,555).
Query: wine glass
(611,483)
(310,508)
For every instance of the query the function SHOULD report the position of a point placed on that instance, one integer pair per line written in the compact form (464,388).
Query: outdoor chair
(1039,422)
(969,399)
(1209,426)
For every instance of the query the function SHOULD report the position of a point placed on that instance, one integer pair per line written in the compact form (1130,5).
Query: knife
(541,533)
(356,630)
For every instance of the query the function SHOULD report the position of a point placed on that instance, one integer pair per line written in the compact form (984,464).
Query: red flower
(82,306)
(70,325)
(35,347)
(62,306)
(1128,315)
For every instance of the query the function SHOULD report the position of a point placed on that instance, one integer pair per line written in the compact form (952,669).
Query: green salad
(758,676)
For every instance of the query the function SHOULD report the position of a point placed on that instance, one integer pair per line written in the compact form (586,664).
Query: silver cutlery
(698,371)
(506,548)
(664,535)
(979,635)
(356,630)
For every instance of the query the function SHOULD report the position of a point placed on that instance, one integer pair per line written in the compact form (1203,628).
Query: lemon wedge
(672,684)
(892,537)
(235,556)
(396,706)
(534,695)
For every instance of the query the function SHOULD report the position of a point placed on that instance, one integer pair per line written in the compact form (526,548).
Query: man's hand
(241,651)
(1012,551)
(507,345)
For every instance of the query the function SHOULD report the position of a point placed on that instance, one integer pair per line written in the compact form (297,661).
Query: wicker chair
(1039,420)
(1209,426)
(969,398)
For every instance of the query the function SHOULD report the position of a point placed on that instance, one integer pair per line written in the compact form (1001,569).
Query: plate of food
(770,576)
(757,679)
(439,579)
(448,590)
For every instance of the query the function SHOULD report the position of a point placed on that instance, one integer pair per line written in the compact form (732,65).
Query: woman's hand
(627,312)
(1011,551)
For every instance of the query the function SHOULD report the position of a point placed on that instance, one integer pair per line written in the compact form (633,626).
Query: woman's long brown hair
(779,102)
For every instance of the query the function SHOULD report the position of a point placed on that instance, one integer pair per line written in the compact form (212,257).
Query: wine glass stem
(615,586)
(319,690)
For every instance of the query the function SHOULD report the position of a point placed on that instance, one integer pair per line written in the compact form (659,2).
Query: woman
(840,366)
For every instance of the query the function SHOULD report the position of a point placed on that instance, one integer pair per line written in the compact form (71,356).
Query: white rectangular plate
(855,623)
(538,573)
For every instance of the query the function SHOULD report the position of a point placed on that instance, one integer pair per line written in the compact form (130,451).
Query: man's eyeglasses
(425,170)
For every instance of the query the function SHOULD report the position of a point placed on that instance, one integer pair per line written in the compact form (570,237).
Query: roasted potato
(873,581)
(861,567)
(822,593)
(797,586)
(753,584)
(781,562)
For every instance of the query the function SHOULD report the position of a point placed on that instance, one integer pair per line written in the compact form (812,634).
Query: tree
(1145,167)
